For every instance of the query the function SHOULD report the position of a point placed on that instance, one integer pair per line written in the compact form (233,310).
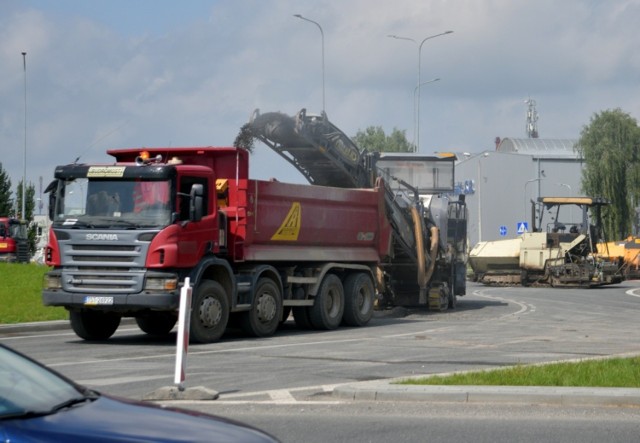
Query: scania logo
(102,237)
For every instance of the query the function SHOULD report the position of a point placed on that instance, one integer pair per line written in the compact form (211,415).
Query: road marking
(275,397)
(258,346)
(632,293)
(118,380)
(524,307)
(282,396)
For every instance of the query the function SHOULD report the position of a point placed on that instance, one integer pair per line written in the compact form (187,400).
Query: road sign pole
(182,344)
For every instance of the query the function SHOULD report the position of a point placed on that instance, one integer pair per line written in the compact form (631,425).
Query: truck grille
(93,267)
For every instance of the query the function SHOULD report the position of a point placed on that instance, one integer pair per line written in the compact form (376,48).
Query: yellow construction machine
(556,252)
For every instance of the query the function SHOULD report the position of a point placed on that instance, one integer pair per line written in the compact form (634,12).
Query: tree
(29,207)
(30,202)
(6,204)
(610,147)
(373,138)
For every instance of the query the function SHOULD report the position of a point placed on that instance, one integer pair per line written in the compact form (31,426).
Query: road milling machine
(426,260)
(556,252)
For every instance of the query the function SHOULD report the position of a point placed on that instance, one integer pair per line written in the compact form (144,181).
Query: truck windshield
(113,203)
(18,231)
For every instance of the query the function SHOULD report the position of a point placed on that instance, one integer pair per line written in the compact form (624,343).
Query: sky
(105,74)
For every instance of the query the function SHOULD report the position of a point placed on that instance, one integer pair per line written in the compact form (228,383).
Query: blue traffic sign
(522,227)
(503,230)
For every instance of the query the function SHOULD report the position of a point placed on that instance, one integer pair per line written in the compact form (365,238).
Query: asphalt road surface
(283,383)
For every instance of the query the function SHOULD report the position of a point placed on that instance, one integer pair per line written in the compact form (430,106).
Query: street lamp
(480,188)
(322,35)
(525,194)
(416,90)
(416,111)
(24,173)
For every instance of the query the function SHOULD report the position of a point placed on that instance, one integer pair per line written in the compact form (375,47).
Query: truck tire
(94,325)
(453,300)
(359,297)
(286,312)
(328,306)
(302,317)
(264,317)
(210,312)
(157,323)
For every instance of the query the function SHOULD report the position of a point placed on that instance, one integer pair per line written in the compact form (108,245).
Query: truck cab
(13,240)
(124,235)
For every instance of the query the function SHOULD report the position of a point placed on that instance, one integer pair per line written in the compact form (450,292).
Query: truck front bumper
(159,301)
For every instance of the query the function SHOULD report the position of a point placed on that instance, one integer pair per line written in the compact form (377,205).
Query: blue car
(39,405)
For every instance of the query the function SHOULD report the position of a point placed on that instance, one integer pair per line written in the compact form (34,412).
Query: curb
(566,396)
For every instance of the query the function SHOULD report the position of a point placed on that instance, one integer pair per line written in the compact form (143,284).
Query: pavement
(390,390)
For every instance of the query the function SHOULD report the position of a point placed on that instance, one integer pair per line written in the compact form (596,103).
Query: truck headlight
(161,284)
(52,281)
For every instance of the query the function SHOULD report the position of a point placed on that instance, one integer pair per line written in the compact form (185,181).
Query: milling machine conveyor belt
(319,150)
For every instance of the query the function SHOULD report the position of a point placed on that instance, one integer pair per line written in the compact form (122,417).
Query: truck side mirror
(196,202)
(3,231)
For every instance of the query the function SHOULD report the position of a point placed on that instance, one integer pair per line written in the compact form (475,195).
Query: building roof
(540,147)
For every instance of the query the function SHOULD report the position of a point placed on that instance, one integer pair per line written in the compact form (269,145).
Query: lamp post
(322,36)
(416,108)
(416,92)
(525,194)
(24,172)
(480,187)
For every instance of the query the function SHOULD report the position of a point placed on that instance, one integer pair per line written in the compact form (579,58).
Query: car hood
(109,419)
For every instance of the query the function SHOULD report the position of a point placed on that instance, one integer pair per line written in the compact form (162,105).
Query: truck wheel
(94,325)
(453,300)
(264,317)
(210,312)
(301,317)
(359,295)
(157,323)
(328,306)
(286,312)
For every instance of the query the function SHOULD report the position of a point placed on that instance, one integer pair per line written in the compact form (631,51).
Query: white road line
(524,307)
(216,351)
(632,293)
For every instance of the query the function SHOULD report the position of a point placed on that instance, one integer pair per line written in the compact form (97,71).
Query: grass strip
(611,373)
(21,295)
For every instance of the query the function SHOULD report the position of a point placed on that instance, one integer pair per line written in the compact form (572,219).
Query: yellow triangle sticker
(290,227)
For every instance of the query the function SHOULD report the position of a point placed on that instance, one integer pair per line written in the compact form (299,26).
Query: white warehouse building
(500,184)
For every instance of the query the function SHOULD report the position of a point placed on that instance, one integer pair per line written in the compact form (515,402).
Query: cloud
(175,75)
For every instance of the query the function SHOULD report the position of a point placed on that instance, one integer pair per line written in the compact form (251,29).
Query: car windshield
(113,204)
(27,388)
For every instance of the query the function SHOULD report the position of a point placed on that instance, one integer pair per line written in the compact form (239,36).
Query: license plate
(94,301)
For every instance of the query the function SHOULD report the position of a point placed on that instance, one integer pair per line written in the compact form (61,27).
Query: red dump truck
(125,236)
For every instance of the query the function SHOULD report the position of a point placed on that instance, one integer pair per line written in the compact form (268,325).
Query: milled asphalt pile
(390,390)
